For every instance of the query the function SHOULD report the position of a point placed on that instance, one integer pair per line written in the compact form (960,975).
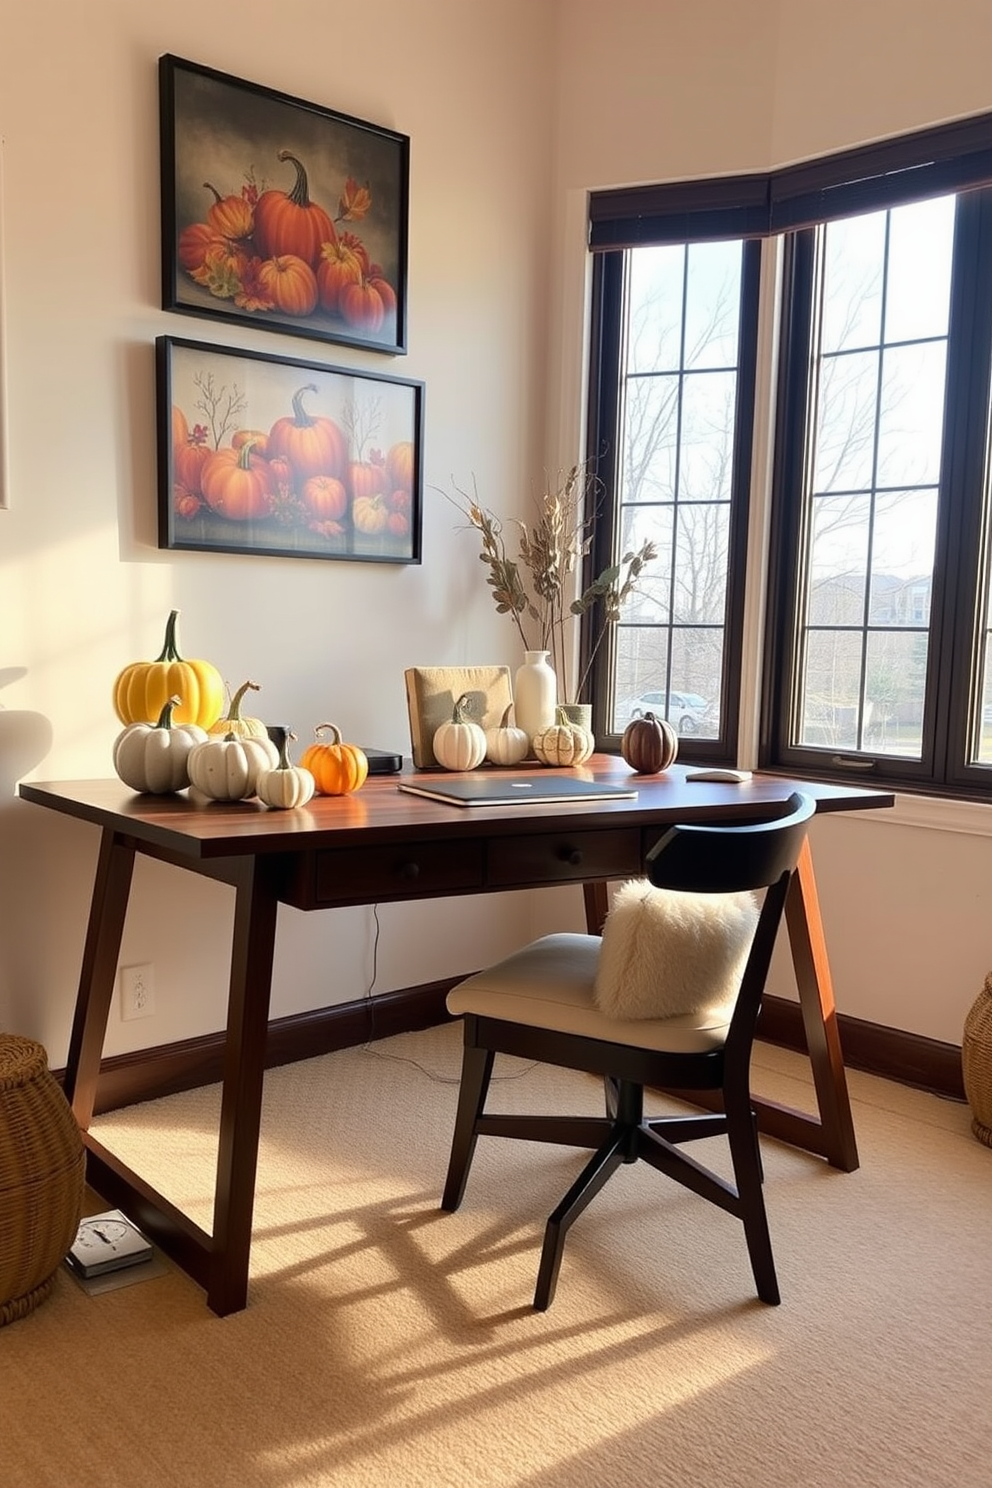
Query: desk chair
(539,1003)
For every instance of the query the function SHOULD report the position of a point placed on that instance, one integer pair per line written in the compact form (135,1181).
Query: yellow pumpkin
(563,743)
(234,723)
(459,744)
(337,768)
(142,689)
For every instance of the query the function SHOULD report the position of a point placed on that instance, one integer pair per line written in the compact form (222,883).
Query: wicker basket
(976,1062)
(41,1176)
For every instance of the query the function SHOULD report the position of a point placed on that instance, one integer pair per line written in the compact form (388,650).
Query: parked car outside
(686,710)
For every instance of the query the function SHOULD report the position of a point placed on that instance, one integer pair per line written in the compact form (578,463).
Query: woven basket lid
(21,1060)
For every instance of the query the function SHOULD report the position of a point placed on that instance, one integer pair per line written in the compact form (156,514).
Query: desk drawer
(414,870)
(563,857)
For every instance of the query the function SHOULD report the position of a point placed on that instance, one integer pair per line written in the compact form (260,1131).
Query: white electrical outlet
(137,991)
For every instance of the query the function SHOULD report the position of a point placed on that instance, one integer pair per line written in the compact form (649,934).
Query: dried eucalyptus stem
(551,551)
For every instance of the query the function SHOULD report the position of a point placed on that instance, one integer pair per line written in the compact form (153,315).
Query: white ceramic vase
(535,693)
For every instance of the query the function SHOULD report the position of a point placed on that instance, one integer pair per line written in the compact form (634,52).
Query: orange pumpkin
(290,283)
(362,305)
(289,222)
(180,426)
(312,445)
(184,503)
(195,242)
(258,440)
(325,497)
(400,465)
(231,216)
(336,768)
(339,265)
(237,484)
(366,477)
(189,460)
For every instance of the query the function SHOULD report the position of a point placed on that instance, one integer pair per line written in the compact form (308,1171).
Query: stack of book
(107,1242)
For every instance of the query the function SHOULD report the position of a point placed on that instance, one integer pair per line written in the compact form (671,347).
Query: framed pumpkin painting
(294,459)
(280,213)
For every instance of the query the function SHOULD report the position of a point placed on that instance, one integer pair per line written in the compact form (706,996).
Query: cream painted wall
(83,587)
(692,88)
(515,110)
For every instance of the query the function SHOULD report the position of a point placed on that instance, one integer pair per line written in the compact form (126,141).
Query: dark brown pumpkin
(649,744)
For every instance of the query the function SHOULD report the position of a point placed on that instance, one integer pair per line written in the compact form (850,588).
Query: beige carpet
(386,1343)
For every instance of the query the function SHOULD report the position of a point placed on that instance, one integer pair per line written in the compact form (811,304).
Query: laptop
(515,790)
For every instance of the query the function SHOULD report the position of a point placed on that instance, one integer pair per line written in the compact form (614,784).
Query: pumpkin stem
(217,196)
(234,711)
(170,650)
(463,710)
(165,717)
(303,419)
(335,731)
(505,720)
(300,194)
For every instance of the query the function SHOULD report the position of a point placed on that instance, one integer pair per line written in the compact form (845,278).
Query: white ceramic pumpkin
(227,769)
(460,744)
(506,744)
(153,757)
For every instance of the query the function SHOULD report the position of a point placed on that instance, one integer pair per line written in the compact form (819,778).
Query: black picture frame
(254,183)
(274,455)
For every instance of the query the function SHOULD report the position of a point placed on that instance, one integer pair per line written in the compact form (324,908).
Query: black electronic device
(383,761)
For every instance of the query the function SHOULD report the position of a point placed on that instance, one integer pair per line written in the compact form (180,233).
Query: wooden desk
(376,846)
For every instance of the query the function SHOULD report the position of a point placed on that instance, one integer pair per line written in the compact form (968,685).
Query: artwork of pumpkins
(278,250)
(321,473)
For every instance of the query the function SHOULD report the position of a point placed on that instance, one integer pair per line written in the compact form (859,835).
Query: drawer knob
(570,855)
(410,870)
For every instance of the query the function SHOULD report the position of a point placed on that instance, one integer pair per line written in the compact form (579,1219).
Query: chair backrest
(713,859)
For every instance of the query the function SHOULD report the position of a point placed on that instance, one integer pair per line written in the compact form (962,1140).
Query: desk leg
(597,902)
(816,997)
(111,889)
(244,1068)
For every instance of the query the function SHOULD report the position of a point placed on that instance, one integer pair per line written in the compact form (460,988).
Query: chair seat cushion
(550,984)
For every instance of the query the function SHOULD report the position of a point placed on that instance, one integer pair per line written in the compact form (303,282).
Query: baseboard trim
(125,1079)
(148,1074)
(907,1058)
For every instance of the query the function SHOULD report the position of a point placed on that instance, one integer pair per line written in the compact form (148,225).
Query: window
(679,418)
(878,653)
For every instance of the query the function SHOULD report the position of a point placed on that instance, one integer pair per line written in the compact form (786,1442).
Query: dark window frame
(956,158)
(603,442)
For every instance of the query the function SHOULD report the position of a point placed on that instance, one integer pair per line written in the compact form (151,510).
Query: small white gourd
(286,785)
(460,744)
(153,757)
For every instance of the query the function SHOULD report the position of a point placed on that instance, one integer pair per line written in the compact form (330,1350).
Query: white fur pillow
(666,953)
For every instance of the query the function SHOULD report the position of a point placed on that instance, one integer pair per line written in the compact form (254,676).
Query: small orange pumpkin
(337,768)
(290,283)
(237,483)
